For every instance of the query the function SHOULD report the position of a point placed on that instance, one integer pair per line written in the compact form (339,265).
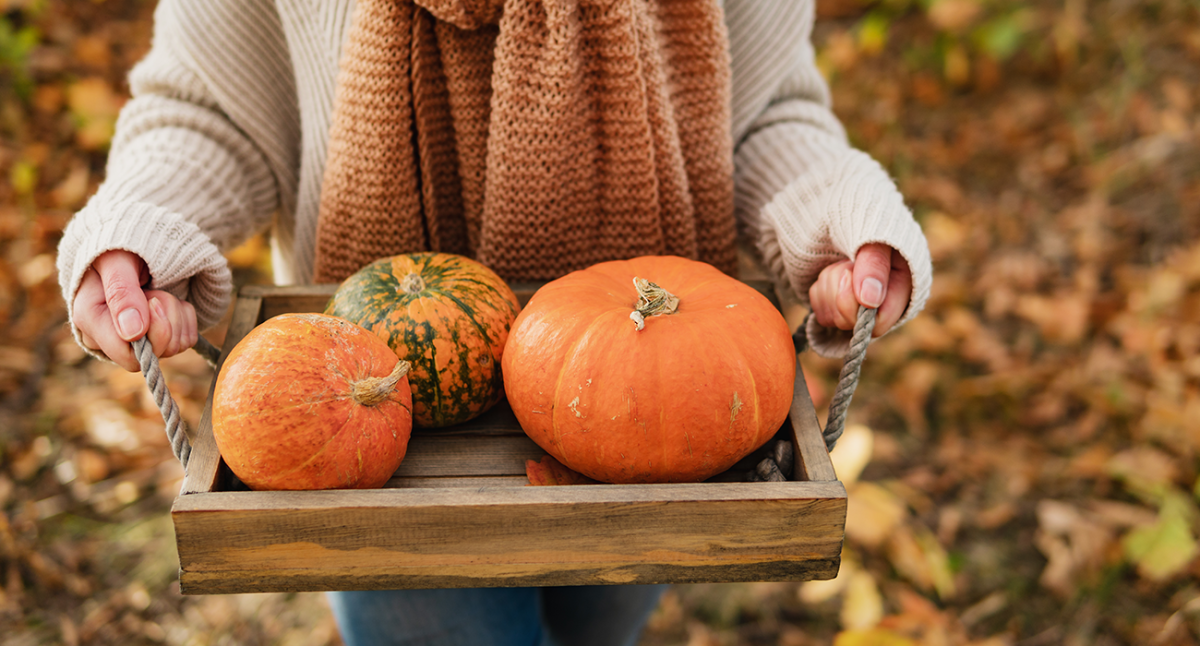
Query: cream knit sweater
(226,136)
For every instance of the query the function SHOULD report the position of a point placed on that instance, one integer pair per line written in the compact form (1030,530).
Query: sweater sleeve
(196,165)
(803,195)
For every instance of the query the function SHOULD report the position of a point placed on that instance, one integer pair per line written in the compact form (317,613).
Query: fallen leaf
(37,269)
(873,33)
(840,52)
(953,15)
(48,99)
(1164,549)
(550,472)
(852,453)
(1073,543)
(918,557)
(1121,514)
(1146,470)
(109,425)
(957,66)
(94,105)
(1163,289)
(93,51)
(862,606)
(1062,318)
(872,513)
(910,393)
(73,189)
(872,637)
(944,234)
(827,9)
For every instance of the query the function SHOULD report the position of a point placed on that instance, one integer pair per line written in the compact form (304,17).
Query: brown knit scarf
(537,136)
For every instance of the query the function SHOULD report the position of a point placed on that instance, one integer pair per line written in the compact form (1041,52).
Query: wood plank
(281,293)
(466,482)
(499,420)
(280,299)
(468,455)
(261,579)
(394,538)
(814,463)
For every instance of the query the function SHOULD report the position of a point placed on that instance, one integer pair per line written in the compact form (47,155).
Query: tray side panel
(814,463)
(508,536)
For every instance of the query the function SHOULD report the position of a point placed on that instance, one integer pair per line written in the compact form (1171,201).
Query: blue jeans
(609,615)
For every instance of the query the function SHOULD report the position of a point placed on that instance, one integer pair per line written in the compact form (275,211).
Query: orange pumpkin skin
(680,400)
(284,414)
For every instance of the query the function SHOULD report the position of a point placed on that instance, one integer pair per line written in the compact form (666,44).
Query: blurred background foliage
(1023,457)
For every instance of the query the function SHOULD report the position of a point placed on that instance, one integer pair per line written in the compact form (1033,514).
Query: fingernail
(872,292)
(129,322)
(156,309)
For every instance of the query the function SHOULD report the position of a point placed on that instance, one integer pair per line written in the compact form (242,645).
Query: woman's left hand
(878,277)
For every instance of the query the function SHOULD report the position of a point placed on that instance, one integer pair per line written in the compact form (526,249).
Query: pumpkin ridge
(462,389)
(467,309)
(662,417)
(475,282)
(442,272)
(320,451)
(692,290)
(613,283)
(736,360)
(558,385)
(484,331)
(435,376)
(699,342)
(755,408)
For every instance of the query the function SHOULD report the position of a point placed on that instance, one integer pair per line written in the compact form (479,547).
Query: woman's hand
(878,277)
(111,309)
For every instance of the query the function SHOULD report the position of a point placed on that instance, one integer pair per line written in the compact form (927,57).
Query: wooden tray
(459,512)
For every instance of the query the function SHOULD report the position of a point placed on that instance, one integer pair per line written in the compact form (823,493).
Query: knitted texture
(538,136)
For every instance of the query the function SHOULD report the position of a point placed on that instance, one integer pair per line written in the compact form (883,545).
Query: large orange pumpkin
(309,401)
(446,314)
(656,369)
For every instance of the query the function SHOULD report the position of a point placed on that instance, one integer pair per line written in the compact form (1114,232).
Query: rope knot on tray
(777,466)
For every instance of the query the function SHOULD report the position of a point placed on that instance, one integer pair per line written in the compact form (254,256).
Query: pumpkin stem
(376,390)
(412,284)
(652,301)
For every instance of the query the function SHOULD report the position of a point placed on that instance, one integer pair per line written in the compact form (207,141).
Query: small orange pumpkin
(311,401)
(655,369)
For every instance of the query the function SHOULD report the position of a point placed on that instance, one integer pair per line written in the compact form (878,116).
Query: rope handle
(774,468)
(175,426)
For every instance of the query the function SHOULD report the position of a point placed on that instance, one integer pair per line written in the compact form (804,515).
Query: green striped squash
(446,314)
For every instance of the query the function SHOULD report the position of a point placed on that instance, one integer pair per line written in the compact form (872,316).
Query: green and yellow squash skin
(448,315)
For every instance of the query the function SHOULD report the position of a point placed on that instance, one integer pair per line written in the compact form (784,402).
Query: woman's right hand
(112,309)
